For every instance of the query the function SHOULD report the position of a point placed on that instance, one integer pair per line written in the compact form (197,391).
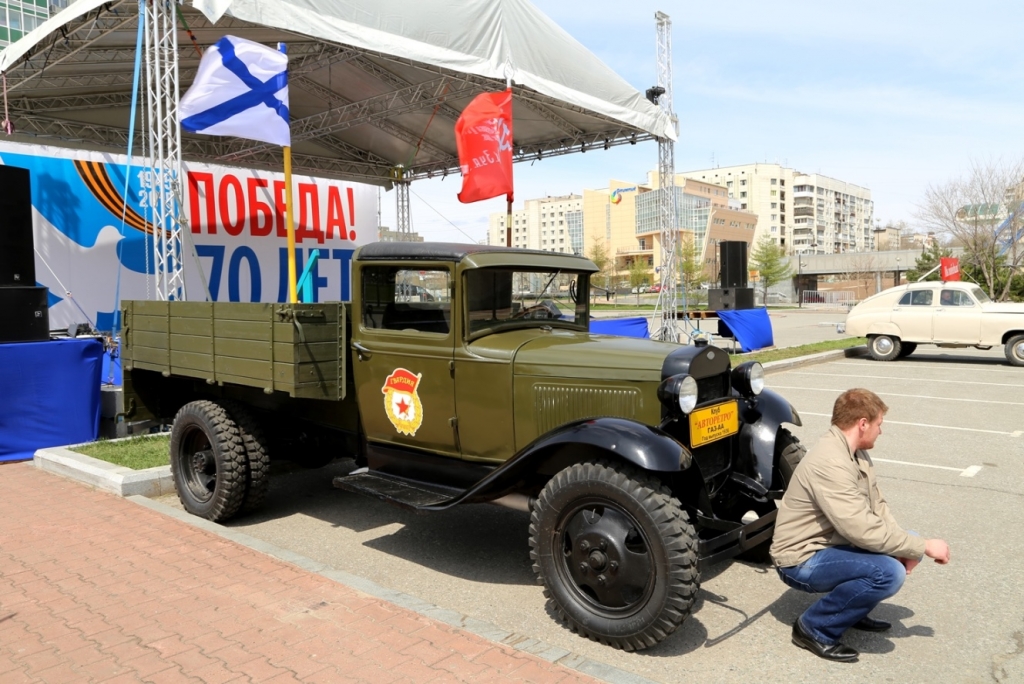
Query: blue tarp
(49,395)
(625,327)
(750,327)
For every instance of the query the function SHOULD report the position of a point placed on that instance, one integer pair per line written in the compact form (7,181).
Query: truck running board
(408,494)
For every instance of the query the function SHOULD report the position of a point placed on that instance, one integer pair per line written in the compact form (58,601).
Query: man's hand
(909,563)
(937,549)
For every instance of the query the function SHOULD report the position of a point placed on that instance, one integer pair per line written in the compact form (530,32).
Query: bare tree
(982,211)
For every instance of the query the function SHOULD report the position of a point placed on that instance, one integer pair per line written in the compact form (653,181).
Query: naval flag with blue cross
(241,89)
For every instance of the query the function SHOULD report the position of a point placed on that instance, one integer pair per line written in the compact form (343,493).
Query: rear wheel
(257,453)
(884,347)
(208,461)
(1015,350)
(907,348)
(616,554)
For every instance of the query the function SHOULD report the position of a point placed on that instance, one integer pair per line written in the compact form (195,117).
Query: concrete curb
(102,475)
(480,628)
(823,357)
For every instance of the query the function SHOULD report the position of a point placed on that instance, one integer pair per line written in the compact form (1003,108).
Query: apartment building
(551,224)
(18,17)
(803,213)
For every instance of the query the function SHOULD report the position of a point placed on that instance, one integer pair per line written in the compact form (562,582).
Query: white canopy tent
(374,84)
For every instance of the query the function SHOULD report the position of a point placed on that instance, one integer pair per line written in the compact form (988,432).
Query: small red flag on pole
(483,134)
(950,268)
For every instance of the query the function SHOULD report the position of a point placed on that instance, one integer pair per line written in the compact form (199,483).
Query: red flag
(483,134)
(949,268)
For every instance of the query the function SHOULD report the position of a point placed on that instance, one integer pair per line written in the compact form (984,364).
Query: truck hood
(567,354)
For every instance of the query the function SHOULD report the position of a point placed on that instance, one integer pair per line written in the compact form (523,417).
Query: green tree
(928,260)
(689,264)
(768,260)
(599,255)
(639,274)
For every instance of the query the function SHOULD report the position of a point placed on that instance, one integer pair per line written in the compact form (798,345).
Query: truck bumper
(733,541)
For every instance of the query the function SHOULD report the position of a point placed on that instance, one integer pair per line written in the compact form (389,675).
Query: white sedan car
(955,314)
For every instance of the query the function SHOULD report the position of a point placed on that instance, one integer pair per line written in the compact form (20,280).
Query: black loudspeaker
(24,314)
(734,264)
(17,256)
(729,298)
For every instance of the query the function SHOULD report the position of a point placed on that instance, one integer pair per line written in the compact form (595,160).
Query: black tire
(1015,350)
(257,453)
(639,548)
(788,454)
(884,347)
(906,349)
(208,461)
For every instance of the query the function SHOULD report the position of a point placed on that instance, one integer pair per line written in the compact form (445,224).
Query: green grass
(802,350)
(137,453)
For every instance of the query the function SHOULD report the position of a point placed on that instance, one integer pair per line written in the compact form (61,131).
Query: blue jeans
(855,581)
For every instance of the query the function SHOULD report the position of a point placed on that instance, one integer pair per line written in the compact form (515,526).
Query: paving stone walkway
(94,588)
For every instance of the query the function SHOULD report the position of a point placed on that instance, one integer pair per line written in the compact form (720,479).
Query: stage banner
(236,237)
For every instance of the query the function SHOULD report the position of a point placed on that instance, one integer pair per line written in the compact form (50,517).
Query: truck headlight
(748,378)
(678,392)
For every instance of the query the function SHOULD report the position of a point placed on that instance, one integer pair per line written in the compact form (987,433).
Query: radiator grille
(715,387)
(556,405)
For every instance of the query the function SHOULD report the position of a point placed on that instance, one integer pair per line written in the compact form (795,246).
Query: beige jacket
(834,500)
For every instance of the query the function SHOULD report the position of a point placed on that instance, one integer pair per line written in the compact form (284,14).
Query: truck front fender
(647,447)
(763,416)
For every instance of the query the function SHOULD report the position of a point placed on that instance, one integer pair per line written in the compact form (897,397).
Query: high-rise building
(18,17)
(551,224)
(802,212)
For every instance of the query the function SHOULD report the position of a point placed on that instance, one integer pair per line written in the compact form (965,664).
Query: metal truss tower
(163,151)
(403,217)
(666,309)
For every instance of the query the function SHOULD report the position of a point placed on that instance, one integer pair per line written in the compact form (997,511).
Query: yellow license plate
(713,423)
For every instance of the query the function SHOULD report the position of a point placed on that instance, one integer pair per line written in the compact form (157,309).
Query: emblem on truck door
(401,402)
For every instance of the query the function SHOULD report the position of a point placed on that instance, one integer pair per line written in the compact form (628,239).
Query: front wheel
(1015,350)
(616,554)
(884,347)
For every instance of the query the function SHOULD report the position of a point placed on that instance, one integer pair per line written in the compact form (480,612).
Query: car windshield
(503,298)
(980,295)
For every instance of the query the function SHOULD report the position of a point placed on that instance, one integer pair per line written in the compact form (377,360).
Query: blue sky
(892,96)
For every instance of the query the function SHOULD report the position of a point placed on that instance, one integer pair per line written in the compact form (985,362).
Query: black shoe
(866,624)
(838,652)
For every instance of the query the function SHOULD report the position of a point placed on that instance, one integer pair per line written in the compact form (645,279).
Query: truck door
(403,350)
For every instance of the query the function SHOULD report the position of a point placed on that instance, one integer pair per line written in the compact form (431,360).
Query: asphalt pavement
(949,463)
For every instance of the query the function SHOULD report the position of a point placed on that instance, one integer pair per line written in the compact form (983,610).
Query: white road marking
(969,471)
(947,366)
(912,396)
(1017,433)
(916,379)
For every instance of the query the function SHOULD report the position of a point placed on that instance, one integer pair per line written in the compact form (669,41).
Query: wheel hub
(883,345)
(597,561)
(1019,350)
(202,461)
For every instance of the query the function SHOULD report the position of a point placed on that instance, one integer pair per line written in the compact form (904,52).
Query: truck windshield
(501,298)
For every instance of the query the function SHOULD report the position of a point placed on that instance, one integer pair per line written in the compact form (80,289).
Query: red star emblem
(402,406)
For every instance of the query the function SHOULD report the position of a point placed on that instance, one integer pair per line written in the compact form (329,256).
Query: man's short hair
(854,404)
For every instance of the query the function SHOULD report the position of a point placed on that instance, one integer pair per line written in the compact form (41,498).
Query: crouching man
(835,535)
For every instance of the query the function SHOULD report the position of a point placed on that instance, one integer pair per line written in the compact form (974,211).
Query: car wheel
(1015,350)
(788,454)
(884,347)
(257,453)
(208,461)
(616,554)
(906,349)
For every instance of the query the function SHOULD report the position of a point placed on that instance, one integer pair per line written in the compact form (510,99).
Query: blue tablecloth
(49,395)
(626,327)
(751,328)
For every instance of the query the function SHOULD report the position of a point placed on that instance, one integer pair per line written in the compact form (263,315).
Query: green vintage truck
(466,374)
